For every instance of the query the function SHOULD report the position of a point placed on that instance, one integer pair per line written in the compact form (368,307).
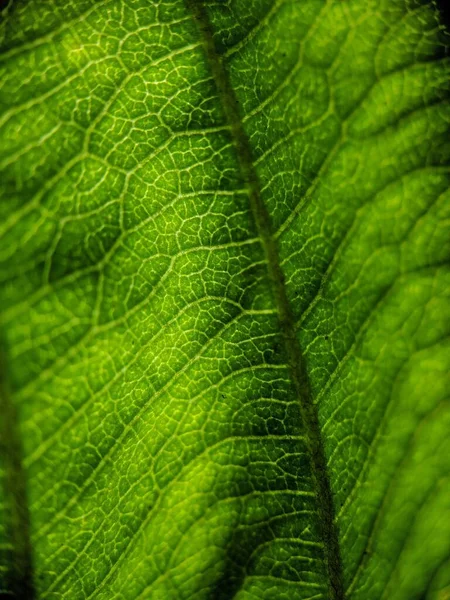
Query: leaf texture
(224,300)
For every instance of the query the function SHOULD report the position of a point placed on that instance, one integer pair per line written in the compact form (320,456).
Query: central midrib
(294,354)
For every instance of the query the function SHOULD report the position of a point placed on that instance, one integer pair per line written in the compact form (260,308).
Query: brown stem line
(294,354)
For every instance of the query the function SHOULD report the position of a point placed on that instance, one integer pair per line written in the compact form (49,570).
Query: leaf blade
(155,302)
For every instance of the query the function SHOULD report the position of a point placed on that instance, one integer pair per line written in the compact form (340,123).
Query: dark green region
(19,577)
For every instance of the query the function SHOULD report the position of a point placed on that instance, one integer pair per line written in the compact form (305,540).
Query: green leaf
(224,300)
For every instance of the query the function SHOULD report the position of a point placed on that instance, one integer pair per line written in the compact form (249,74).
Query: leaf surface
(224,300)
